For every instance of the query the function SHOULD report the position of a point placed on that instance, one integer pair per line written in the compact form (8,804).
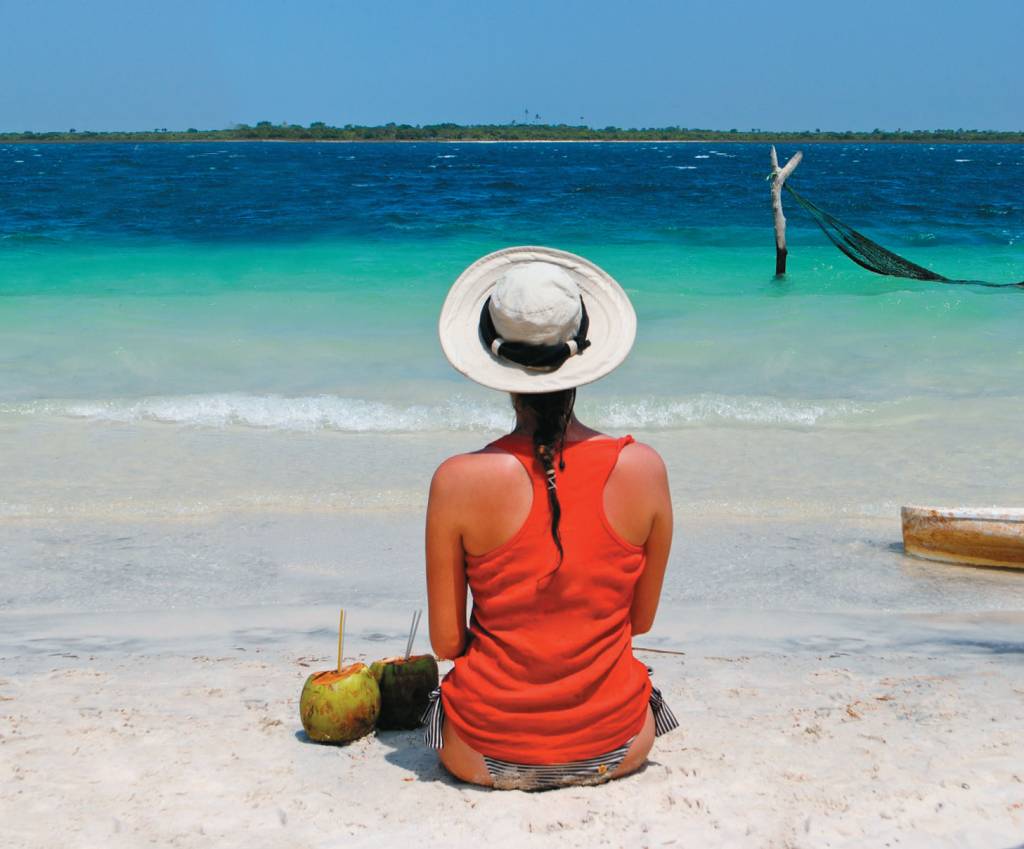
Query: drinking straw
(341,635)
(412,632)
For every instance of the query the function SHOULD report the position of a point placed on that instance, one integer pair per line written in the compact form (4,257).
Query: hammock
(873,256)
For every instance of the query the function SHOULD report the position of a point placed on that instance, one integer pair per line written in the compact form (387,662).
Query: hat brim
(612,324)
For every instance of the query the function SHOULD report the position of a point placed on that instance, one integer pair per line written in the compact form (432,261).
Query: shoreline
(29,636)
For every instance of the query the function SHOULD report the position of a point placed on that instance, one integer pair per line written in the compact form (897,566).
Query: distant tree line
(319,131)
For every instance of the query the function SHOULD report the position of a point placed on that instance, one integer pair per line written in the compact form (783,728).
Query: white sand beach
(808,731)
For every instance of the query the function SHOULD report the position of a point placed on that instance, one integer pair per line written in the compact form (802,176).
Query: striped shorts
(512,776)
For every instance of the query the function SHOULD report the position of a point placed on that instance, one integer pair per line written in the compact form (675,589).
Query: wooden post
(778,177)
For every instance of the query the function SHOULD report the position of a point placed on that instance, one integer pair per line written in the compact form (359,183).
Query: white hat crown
(535,297)
(537,303)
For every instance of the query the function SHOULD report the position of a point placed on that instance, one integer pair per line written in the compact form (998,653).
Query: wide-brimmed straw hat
(531,319)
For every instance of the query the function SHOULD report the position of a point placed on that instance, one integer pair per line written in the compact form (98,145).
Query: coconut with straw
(342,704)
(405,683)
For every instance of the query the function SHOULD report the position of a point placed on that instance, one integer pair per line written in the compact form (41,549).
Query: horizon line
(518,126)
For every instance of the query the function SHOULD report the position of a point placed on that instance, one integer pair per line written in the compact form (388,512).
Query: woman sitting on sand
(562,534)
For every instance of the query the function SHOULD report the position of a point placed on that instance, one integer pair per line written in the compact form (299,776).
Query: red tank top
(548,675)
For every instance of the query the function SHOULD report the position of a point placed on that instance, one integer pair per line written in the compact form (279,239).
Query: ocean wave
(721,409)
(356,415)
(278,412)
(24,237)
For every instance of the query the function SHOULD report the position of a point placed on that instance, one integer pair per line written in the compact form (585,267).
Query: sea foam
(356,415)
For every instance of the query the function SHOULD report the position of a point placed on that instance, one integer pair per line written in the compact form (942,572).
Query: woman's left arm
(446,562)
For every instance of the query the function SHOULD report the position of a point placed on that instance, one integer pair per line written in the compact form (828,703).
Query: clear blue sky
(791,64)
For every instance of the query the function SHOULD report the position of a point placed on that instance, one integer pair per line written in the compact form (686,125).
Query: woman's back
(496,493)
(548,674)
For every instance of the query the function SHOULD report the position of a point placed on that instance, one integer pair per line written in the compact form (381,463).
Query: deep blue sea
(913,196)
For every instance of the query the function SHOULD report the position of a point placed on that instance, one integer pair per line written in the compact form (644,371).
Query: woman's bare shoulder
(639,470)
(641,459)
(466,474)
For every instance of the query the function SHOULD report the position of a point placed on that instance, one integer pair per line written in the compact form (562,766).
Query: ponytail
(552,412)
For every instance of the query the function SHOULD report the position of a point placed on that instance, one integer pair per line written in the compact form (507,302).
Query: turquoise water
(357,322)
(317,271)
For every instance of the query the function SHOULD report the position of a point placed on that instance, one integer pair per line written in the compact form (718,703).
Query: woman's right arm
(446,563)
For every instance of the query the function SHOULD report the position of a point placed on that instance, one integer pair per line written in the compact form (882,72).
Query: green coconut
(405,685)
(339,706)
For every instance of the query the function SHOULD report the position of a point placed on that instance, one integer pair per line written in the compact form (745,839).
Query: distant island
(524,132)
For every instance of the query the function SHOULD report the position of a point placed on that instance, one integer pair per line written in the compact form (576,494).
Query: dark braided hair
(552,412)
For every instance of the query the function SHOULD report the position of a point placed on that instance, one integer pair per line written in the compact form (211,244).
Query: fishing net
(873,256)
